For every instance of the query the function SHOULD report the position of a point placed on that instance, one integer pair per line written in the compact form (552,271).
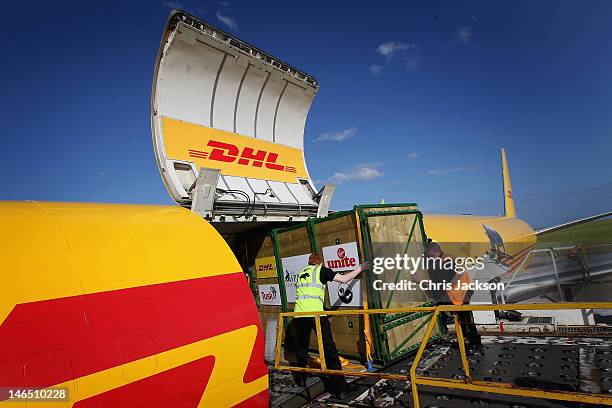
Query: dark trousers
(303,327)
(468,327)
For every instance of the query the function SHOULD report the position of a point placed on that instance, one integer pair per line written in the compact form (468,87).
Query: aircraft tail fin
(510,211)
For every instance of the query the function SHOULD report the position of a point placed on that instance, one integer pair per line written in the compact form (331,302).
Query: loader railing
(467,383)
(317,317)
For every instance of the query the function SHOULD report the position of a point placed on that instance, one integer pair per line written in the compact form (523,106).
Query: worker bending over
(454,296)
(310,295)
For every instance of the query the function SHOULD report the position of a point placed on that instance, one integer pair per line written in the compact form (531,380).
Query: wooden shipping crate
(369,231)
(258,249)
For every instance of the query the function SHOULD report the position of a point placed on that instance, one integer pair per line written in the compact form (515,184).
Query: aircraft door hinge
(203,192)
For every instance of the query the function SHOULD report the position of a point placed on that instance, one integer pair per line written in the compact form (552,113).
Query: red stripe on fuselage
(142,321)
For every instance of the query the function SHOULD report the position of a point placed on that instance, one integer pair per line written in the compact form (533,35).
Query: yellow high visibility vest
(309,291)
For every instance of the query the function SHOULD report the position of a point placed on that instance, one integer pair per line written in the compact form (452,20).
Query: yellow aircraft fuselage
(125,305)
(468,235)
(464,235)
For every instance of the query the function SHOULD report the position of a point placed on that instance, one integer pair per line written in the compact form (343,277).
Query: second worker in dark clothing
(438,274)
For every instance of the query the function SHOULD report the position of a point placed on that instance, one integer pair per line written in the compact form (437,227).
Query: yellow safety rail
(317,317)
(366,322)
(465,384)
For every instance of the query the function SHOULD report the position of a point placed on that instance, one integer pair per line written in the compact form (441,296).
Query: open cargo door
(228,128)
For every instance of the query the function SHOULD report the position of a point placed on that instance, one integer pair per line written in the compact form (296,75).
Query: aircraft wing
(572,223)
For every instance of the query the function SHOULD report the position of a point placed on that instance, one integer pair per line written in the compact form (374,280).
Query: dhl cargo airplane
(135,305)
(473,235)
(229,142)
(125,306)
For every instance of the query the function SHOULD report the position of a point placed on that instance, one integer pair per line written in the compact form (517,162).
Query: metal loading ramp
(228,127)
(505,371)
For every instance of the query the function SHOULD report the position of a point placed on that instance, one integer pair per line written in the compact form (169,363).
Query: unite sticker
(342,257)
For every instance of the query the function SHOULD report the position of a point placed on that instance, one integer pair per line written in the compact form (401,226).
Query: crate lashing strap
(366,318)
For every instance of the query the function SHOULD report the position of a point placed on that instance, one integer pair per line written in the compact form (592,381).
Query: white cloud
(376,69)
(338,136)
(172,4)
(463,36)
(389,48)
(363,171)
(406,54)
(414,155)
(101,173)
(443,172)
(230,22)
(223,17)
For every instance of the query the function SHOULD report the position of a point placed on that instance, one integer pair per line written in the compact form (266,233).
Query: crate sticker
(269,295)
(345,294)
(343,257)
(292,266)
(265,267)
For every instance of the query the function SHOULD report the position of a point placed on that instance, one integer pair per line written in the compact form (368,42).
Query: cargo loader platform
(508,370)
(552,363)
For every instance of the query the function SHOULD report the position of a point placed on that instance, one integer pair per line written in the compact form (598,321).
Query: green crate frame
(379,324)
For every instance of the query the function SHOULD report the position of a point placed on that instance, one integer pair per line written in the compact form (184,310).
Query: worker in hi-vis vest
(310,296)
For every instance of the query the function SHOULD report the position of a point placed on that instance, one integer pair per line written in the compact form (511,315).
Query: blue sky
(416,99)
